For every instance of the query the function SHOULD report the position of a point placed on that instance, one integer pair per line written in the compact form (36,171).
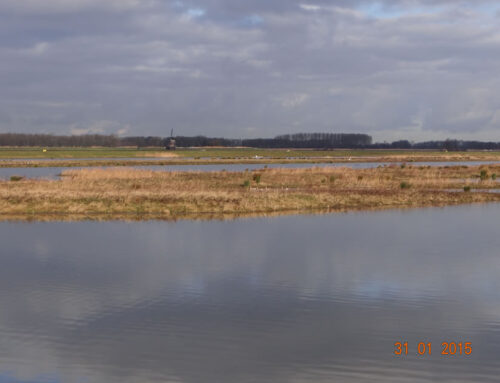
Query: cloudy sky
(416,69)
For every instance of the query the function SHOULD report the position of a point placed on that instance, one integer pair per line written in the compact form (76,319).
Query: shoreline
(208,216)
(133,162)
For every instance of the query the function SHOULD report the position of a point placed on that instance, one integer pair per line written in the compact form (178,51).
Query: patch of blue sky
(178,4)
(490,8)
(378,10)
(252,21)
(195,12)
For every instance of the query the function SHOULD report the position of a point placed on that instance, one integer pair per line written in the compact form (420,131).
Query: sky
(408,69)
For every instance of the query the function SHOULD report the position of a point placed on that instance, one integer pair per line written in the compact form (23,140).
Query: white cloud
(100,127)
(40,48)
(293,100)
(310,7)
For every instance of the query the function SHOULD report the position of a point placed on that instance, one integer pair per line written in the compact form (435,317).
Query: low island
(121,192)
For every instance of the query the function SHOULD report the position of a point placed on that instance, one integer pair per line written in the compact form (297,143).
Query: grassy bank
(168,159)
(120,192)
(334,154)
(62,153)
(245,154)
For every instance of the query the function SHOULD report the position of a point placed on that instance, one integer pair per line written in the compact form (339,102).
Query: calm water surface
(54,172)
(287,299)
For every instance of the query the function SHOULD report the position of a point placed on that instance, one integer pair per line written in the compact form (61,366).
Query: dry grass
(157,154)
(119,192)
(147,158)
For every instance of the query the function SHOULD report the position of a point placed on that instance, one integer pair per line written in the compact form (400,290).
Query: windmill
(170,141)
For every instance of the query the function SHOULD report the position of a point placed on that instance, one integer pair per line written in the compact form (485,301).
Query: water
(53,172)
(286,299)
(49,172)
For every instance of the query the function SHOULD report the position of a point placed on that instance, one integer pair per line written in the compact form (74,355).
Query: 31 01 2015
(425,348)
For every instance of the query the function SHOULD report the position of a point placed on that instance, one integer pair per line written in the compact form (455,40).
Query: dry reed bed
(125,191)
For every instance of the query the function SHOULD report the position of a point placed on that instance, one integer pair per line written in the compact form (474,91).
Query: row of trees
(299,140)
(450,145)
(49,140)
(184,141)
(142,142)
(88,140)
(325,140)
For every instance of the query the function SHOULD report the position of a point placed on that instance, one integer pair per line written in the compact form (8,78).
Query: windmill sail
(171,141)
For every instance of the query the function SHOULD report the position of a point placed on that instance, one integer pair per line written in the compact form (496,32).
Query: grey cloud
(251,68)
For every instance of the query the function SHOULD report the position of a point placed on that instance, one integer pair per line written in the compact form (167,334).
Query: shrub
(403,165)
(483,175)
(404,185)
(16,178)
(256,177)
(332,179)
(246,184)
(494,176)
(466,189)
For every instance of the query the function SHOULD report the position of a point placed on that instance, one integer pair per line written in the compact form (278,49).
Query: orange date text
(425,348)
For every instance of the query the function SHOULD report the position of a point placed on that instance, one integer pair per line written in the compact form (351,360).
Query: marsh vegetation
(93,157)
(166,194)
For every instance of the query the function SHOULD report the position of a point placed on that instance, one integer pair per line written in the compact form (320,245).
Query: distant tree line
(449,145)
(299,140)
(49,140)
(325,140)
(184,141)
(142,142)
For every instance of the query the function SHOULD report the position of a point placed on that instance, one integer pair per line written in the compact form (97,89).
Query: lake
(53,172)
(285,299)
